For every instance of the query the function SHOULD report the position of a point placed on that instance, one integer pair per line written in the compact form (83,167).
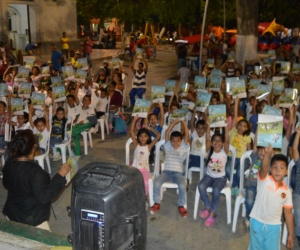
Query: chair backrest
(233,156)
(242,167)
(163,132)
(202,163)
(165,118)
(66,129)
(127,151)
(290,167)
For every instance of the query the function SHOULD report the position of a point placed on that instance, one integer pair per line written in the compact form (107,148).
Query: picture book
(183,89)
(263,91)
(139,53)
(202,101)
(72,162)
(230,81)
(296,68)
(253,85)
(158,94)
(217,115)
(187,105)
(200,84)
(269,129)
(82,63)
(267,62)
(59,93)
(68,72)
(230,57)
(24,90)
(115,62)
(216,72)
(56,81)
(291,93)
(210,63)
(17,106)
(272,54)
(269,110)
(285,67)
(29,63)
(179,114)
(297,86)
(3,89)
(215,83)
(289,99)
(45,71)
(285,102)
(38,100)
(170,86)
(238,89)
(80,75)
(23,73)
(277,85)
(141,108)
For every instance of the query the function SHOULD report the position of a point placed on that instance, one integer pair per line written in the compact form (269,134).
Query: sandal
(204,213)
(210,221)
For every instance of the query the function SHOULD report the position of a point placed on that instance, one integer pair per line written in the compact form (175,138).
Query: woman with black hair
(30,189)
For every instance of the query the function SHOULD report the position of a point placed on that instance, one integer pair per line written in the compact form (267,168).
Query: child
(3,119)
(183,73)
(143,145)
(41,129)
(176,150)
(272,196)
(215,175)
(102,101)
(152,121)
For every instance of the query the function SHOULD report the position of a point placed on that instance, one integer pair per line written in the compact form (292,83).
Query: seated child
(176,149)
(272,197)
(102,101)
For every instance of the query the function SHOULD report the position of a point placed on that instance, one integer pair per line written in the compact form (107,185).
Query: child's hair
(113,83)
(176,134)
(216,95)
(175,104)
(103,90)
(119,76)
(87,96)
(140,63)
(149,116)
(26,116)
(200,122)
(280,157)
(144,131)
(247,132)
(41,119)
(59,109)
(211,147)
(238,70)
(37,68)
(71,96)
(3,103)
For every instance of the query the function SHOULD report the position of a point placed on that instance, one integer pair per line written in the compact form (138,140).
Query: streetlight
(202,36)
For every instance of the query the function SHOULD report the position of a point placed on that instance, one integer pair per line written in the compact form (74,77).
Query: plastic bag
(73,167)
(120,127)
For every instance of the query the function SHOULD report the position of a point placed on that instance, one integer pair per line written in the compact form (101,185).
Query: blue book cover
(277,85)
(139,53)
(210,63)
(200,83)
(267,62)
(296,68)
(238,89)
(263,90)
(203,100)
(45,71)
(158,94)
(82,63)
(29,63)
(269,110)
(215,83)
(56,81)
(271,53)
(253,85)
(179,114)
(80,75)
(23,73)
(216,72)
(68,72)
(217,115)
(17,106)
(230,81)
(3,89)
(183,89)
(59,93)
(141,108)
(25,89)
(285,67)
(115,61)
(269,129)
(170,86)
(289,99)
(38,100)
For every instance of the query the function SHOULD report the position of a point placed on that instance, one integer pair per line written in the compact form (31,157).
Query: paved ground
(166,230)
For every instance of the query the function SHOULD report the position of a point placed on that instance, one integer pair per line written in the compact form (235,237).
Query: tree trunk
(247,25)
(146,29)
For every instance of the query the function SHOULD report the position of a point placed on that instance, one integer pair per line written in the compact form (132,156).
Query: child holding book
(143,145)
(215,177)
(272,197)
(152,120)
(176,149)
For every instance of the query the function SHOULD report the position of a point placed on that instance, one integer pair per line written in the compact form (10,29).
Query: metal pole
(202,36)
(224,19)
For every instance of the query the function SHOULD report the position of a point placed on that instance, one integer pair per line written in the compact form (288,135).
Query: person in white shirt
(102,102)
(183,73)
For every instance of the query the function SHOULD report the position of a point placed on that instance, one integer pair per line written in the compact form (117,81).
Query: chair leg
(90,139)
(284,234)
(244,210)
(101,124)
(196,204)
(228,205)
(190,176)
(48,163)
(236,213)
(150,194)
(106,124)
(41,162)
(85,143)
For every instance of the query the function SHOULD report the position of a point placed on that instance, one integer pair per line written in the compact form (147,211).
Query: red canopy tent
(195,38)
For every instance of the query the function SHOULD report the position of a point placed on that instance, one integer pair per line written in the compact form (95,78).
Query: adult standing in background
(56,58)
(181,52)
(65,45)
(88,48)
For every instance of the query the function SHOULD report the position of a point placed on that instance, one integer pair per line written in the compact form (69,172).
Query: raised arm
(46,113)
(207,135)
(226,142)
(145,63)
(170,103)
(186,132)
(193,120)
(132,133)
(132,65)
(31,110)
(291,123)
(295,145)
(236,105)
(162,114)
(169,129)
(156,139)
(264,170)
(76,92)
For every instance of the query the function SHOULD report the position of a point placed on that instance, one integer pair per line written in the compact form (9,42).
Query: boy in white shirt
(101,101)
(272,196)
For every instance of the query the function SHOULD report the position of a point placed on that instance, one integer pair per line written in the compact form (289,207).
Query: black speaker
(108,208)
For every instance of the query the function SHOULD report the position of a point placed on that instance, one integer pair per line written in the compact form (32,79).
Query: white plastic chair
(103,120)
(240,199)
(45,156)
(196,169)
(288,183)
(88,133)
(127,151)
(156,173)
(165,118)
(226,190)
(163,132)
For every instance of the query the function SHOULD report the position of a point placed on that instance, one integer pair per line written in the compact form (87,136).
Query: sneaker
(246,224)
(155,207)
(57,157)
(183,211)
(204,213)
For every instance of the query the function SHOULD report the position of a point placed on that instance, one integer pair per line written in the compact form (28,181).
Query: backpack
(120,127)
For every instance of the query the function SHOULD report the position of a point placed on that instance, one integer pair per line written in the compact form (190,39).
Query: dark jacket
(30,191)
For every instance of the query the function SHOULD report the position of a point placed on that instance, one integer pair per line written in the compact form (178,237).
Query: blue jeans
(194,161)
(264,236)
(136,91)
(250,196)
(296,202)
(236,176)
(217,185)
(169,176)
(54,140)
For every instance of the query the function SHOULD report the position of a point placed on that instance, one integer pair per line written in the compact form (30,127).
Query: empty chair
(196,169)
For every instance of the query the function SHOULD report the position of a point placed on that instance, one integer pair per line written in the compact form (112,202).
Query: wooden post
(153,35)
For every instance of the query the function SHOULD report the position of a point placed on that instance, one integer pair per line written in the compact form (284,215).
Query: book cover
(263,90)
(23,73)
(269,131)
(59,93)
(187,105)
(272,54)
(115,62)
(297,86)
(269,110)
(267,62)
(285,102)
(170,86)
(45,71)
(253,85)
(203,100)
(56,81)
(68,72)
(291,93)
(141,108)
(17,106)
(183,89)
(200,83)
(24,90)
(238,89)
(217,115)
(285,67)
(72,162)
(179,114)
(215,83)
(289,99)
(230,57)
(296,68)
(139,53)
(82,63)
(230,81)
(29,63)
(38,100)
(158,94)
(216,72)
(277,85)
(80,75)
(3,89)
(210,63)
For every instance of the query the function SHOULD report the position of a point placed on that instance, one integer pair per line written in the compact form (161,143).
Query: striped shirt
(139,79)
(175,157)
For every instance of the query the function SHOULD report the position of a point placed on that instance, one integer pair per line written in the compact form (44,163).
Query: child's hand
(298,129)
(290,242)
(136,118)
(208,121)
(269,150)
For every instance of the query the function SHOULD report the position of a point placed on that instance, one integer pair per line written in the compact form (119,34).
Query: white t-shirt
(101,103)
(73,112)
(184,74)
(141,157)
(270,200)
(18,127)
(198,143)
(42,136)
(85,113)
(216,164)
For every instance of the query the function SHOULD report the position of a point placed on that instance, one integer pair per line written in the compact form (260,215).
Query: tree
(247,22)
